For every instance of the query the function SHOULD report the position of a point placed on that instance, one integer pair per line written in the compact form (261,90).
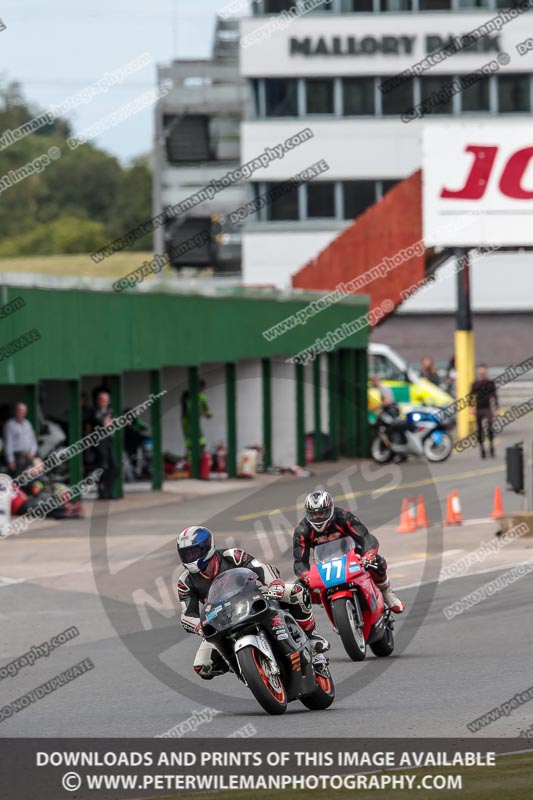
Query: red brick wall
(392,225)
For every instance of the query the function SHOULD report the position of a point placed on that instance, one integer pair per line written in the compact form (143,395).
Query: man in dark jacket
(102,417)
(323,522)
(485,400)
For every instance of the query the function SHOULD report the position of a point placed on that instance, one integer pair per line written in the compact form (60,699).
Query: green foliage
(67,234)
(76,204)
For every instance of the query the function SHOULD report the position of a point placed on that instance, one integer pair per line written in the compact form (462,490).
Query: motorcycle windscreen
(230,583)
(232,598)
(336,548)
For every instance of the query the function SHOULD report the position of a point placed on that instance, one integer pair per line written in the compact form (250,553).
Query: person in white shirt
(20,442)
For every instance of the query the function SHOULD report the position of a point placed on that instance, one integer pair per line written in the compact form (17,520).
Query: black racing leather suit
(193,589)
(342,523)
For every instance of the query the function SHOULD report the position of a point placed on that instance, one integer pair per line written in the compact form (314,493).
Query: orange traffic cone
(411,504)
(406,520)
(421,516)
(456,504)
(450,513)
(497,509)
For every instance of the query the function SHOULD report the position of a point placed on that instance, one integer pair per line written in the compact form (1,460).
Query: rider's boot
(212,669)
(320,644)
(391,600)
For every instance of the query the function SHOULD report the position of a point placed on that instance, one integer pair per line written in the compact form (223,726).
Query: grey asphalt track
(443,675)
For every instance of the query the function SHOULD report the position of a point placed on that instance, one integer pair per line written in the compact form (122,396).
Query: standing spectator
(103,387)
(20,443)
(105,458)
(205,411)
(385,394)
(483,395)
(451,377)
(429,371)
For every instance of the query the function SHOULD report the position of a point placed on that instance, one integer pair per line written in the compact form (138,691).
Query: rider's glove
(276,589)
(305,578)
(370,560)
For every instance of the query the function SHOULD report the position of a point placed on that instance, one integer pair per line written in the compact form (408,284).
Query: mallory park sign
(385,45)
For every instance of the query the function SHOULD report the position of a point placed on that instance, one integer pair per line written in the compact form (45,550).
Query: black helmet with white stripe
(319,509)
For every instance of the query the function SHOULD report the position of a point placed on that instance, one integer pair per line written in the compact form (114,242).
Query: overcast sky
(57,47)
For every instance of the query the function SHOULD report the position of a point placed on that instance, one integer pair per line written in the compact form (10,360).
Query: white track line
(468,575)
(422,559)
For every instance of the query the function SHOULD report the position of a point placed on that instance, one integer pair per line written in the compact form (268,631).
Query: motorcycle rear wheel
(324,694)
(267,688)
(346,623)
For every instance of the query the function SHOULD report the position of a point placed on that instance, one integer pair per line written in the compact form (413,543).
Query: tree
(86,187)
(64,235)
(133,203)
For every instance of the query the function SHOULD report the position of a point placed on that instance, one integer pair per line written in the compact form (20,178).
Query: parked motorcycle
(53,439)
(263,645)
(351,599)
(423,432)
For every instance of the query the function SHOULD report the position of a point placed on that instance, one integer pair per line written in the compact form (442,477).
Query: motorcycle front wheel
(380,452)
(351,634)
(266,686)
(438,450)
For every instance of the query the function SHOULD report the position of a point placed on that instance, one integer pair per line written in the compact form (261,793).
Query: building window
(386,185)
(473,3)
(358,196)
(513,93)
(321,199)
(395,5)
(319,96)
(255,91)
(284,201)
(398,100)
(356,5)
(187,139)
(358,96)
(434,5)
(276,6)
(281,97)
(430,87)
(319,8)
(476,97)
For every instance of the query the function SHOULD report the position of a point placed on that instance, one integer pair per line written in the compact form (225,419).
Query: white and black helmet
(196,547)
(319,509)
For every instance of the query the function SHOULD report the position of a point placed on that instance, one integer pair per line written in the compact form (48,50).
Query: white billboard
(478,183)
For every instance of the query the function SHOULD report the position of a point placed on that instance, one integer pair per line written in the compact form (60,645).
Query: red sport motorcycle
(351,599)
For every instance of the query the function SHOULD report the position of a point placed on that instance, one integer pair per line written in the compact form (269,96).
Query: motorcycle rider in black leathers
(324,522)
(203,562)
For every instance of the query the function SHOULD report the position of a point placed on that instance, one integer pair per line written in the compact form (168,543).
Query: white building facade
(325,70)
